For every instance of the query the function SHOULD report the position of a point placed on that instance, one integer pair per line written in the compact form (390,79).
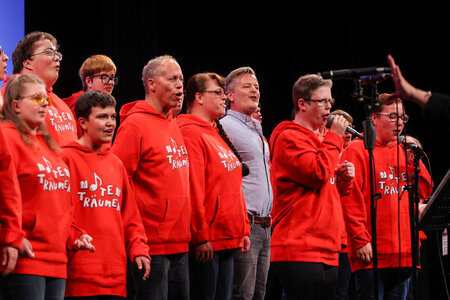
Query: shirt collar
(240,116)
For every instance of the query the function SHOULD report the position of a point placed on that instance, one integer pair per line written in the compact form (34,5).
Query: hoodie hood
(185,120)
(140,107)
(285,125)
(77,146)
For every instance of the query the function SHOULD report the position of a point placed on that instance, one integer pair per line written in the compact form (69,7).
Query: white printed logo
(94,195)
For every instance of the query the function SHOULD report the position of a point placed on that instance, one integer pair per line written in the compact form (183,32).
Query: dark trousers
(169,279)
(307,280)
(344,275)
(393,283)
(33,287)
(213,279)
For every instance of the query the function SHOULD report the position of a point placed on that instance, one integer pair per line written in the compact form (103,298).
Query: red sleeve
(134,232)
(75,230)
(10,199)
(127,146)
(353,203)
(308,163)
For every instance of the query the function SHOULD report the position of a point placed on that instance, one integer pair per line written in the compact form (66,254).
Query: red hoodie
(152,150)
(59,118)
(219,213)
(393,223)
(44,181)
(11,233)
(308,216)
(106,209)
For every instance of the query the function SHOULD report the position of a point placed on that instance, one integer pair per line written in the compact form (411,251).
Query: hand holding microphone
(337,122)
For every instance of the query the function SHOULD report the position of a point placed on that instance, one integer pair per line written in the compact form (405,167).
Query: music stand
(436,215)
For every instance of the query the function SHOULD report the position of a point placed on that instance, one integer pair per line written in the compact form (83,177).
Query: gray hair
(152,70)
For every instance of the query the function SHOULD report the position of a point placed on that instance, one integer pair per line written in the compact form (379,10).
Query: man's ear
(301,104)
(151,84)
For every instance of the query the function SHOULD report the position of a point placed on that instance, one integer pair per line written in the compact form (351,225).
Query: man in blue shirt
(251,268)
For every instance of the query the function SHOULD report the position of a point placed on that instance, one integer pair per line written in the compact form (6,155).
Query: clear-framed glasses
(38,99)
(322,102)
(219,93)
(50,53)
(106,79)
(394,117)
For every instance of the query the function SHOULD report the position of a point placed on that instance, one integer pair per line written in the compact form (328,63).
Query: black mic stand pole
(414,199)
(369,143)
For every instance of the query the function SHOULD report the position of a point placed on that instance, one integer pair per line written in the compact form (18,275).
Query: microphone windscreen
(329,121)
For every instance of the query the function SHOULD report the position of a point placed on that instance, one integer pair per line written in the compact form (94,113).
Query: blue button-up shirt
(249,141)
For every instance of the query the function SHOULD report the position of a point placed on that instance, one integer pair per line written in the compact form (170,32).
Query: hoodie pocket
(229,219)
(48,235)
(174,220)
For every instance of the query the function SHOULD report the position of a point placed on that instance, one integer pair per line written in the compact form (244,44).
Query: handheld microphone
(348,129)
(416,149)
(354,73)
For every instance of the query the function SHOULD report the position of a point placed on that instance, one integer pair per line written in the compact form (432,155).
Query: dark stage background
(280,41)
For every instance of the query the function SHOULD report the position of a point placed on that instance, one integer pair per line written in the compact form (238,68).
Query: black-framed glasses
(322,102)
(106,79)
(38,99)
(50,53)
(219,93)
(394,117)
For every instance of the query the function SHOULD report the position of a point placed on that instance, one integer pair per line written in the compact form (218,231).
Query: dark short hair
(24,48)
(91,99)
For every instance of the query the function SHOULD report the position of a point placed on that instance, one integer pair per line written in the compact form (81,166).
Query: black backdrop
(280,41)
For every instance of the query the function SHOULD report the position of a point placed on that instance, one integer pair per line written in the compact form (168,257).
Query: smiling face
(213,100)
(244,98)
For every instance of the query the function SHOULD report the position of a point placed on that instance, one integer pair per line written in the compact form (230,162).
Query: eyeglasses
(39,99)
(394,117)
(322,102)
(50,53)
(106,79)
(219,93)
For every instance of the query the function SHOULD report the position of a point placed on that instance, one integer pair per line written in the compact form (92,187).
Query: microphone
(354,73)
(348,129)
(416,149)
(365,80)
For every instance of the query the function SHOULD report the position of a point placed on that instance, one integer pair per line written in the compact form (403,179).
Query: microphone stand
(414,198)
(369,143)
